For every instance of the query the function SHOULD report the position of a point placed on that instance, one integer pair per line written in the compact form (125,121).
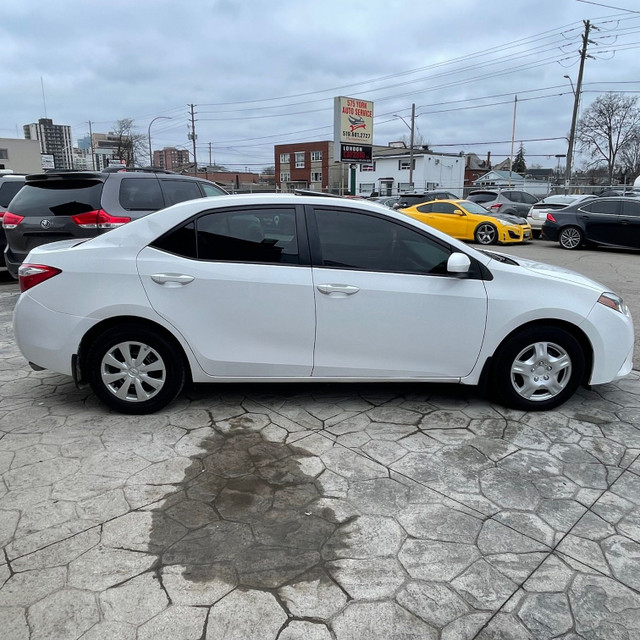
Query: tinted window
(514,196)
(481,197)
(211,190)
(179,190)
(181,241)
(631,209)
(8,190)
(359,241)
(58,198)
(527,198)
(141,194)
(248,235)
(443,207)
(425,208)
(601,206)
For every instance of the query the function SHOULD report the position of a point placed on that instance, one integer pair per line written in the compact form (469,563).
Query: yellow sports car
(469,221)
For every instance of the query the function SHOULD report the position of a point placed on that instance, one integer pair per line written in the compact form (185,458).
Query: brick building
(171,158)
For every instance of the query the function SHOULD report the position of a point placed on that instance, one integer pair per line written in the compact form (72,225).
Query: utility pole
(193,137)
(513,137)
(576,102)
(413,124)
(93,158)
(209,154)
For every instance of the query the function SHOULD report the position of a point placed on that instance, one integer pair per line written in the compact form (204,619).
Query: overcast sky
(264,72)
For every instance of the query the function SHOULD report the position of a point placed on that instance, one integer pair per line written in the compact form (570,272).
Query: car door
(236,283)
(600,221)
(630,223)
(385,304)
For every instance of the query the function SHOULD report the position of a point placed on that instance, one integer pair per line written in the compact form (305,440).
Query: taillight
(29,275)
(496,206)
(99,219)
(550,218)
(11,220)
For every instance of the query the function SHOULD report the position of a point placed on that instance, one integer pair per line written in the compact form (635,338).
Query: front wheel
(486,233)
(134,369)
(538,368)
(570,238)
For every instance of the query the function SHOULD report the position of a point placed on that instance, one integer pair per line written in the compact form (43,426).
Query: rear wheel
(134,369)
(486,233)
(571,238)
(538,368)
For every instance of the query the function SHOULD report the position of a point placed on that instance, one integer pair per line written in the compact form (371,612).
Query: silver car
(538,212)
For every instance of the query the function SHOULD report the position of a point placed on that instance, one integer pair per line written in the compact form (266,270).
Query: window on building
(367,187)
(285,176)
(368,167)
(284,157)
(316,155)
(4,154)
(403,187)
(299,159)
(316,176)
(405,164)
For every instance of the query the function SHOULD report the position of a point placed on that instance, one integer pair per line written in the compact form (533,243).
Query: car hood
(558,273)
(508,217)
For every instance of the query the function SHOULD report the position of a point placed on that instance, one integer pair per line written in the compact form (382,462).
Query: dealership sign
(353,129)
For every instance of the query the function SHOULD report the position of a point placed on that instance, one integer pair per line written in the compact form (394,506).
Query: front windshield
(472,207)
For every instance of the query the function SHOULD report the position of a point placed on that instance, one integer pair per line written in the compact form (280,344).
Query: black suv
(411,199)
(84,204)
(10,184)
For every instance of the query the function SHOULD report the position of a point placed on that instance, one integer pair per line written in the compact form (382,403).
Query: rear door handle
(344,289)
(172,279)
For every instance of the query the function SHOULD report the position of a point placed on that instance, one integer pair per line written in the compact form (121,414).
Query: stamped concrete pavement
(311,512)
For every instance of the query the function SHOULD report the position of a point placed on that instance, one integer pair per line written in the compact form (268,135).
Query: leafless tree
(606,128)
(131,145)
(629,163)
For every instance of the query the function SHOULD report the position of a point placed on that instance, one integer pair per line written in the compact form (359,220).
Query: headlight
(614,302)
(507,223)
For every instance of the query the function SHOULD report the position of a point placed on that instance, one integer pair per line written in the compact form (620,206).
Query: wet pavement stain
(251,507)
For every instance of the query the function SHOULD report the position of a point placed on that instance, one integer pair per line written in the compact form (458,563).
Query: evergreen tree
(519,164)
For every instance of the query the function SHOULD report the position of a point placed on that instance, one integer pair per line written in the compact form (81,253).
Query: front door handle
(172,279)
(344,289)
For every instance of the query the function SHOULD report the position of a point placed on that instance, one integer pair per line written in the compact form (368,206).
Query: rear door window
(602,206)
(179,190)
(58,198)
(141,194)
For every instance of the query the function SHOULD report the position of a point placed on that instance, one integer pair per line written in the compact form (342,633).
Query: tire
(571,238)
(538,368)
(129,385)
(486,233)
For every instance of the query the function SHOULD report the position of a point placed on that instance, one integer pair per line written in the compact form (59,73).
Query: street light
(149,134)
(571,82)
(411,128)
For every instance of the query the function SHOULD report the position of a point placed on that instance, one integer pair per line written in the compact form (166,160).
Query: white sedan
(289,288)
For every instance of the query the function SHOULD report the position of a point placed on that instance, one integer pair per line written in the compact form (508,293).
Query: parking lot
(322,511)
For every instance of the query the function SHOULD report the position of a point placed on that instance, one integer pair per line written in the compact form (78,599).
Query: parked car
(79,204)
(612,193)
(538,212)
(387,201)
(600,221)
(469,221)
(10,184)
(411,199)
(511,201)
(282,287)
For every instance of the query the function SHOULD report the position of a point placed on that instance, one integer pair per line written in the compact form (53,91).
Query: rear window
(9,189)
(58,198)
(481,197)
(141,194)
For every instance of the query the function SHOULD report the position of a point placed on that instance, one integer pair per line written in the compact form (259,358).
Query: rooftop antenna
(44,102)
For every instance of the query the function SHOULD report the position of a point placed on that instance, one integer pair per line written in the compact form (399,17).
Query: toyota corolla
(289,288)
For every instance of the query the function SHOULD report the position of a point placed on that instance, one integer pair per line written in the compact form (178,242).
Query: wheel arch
(110,323)
(574,330)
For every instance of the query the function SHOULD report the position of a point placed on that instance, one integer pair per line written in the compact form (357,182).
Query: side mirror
(457,212)
(458,263)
